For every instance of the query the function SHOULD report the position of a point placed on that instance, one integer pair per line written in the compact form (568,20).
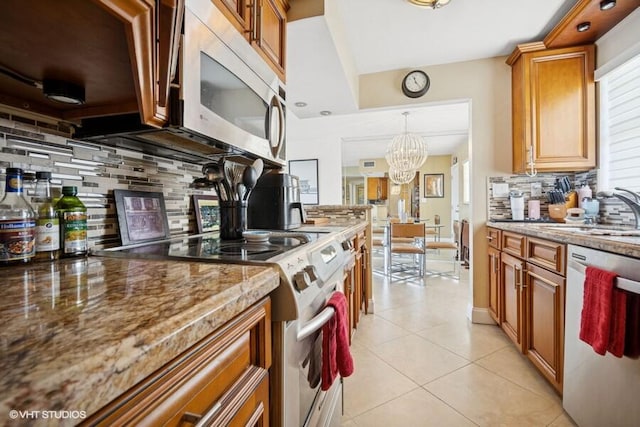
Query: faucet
(632,200)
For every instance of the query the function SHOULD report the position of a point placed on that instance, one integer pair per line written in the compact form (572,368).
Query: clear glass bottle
(73,224)
(47,224)
(17,222)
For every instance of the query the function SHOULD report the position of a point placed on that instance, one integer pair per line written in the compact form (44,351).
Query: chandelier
(401,177)
(431,4)
(407,152)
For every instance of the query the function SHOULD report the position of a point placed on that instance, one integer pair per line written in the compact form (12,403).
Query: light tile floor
(420,362)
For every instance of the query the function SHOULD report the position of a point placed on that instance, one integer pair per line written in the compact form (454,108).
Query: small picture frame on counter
(207,213)
(142,216)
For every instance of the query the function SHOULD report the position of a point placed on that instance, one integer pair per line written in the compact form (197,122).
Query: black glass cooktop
(209,247)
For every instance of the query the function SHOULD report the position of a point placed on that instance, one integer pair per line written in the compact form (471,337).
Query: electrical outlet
(536,189)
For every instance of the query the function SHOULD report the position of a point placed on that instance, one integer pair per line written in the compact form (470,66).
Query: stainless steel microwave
(229,101)
(228,89)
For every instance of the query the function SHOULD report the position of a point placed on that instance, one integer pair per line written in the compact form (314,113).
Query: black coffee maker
(274,203)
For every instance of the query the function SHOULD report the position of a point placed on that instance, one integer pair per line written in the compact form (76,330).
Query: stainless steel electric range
(311,266)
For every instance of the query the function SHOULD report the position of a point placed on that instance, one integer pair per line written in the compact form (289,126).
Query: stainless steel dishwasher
(598,390)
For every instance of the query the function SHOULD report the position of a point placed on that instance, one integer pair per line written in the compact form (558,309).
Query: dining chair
(434,247)
(407,239)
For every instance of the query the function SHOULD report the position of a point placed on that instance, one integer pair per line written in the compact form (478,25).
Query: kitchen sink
(595,230)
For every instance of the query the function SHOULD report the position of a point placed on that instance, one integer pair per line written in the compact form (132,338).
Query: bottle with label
(47,224)
(72,215)
(17,222)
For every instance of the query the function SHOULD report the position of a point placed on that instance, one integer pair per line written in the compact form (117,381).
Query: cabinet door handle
(523,283)
(489,238)
(254,21)
(517,278)
(202,420)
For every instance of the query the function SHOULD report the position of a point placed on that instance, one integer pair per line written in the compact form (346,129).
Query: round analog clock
(415,84)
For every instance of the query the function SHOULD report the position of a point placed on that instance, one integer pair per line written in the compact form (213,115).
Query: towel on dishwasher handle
(597,309)
(336,357)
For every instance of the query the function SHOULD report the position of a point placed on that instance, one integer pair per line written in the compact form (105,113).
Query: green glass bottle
(47,224)
(73,224)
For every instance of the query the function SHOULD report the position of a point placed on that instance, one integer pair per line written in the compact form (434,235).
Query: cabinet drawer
(493,237)
(546,254)
(209,377)
(514,244)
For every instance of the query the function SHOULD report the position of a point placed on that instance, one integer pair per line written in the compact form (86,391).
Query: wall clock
(415,84)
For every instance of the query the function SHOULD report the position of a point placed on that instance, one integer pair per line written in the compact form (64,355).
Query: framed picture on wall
(142,216)
(307,173)
(207,213)
(433,185)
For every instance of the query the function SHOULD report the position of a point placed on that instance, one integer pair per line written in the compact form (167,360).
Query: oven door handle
(316,323)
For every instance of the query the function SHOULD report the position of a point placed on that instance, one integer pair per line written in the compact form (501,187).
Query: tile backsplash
(612,211)
(96,171)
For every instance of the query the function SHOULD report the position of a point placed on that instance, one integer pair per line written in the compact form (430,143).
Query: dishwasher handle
(621,283)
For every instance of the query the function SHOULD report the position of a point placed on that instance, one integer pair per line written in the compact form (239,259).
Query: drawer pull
(201,420)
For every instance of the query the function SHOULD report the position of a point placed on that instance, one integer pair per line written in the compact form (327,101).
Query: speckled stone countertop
(566,233)
(77,333)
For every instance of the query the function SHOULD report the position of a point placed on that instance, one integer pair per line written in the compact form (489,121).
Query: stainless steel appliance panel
(598,390)
(229,93)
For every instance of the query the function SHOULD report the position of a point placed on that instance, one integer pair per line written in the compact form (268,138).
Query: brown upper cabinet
(121,53)
(553,102)
(377,188)
(264,25)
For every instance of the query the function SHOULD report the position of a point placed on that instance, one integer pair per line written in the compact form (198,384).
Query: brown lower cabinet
(222,380)
(527,297)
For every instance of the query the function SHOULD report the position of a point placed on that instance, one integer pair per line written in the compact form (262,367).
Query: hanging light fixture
(407,152)
(431,4)
(401,177)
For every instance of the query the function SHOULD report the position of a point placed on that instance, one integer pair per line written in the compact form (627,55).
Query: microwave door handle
(275,105)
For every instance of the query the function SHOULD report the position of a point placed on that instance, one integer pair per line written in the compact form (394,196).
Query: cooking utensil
(258,165)
(249,179)
(224,181)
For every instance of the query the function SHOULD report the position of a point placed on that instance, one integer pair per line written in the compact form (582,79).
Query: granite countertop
(566,233)
(77,333)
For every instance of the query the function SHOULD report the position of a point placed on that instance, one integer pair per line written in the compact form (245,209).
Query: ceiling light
(583,26)
(325,113)
(300,104)
(407,151)
(401,177)
(431,4)
(63,92)
(607,4)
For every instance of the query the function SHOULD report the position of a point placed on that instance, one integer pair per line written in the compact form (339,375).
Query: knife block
(571,200)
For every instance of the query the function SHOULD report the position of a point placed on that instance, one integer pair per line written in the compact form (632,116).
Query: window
(620,127)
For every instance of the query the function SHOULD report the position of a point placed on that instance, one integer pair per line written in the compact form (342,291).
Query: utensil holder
(233,219)
(557,212)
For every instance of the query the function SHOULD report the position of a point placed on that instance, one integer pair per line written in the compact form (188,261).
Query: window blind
(620,127)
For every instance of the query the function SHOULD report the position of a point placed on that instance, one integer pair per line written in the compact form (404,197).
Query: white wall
(328,152)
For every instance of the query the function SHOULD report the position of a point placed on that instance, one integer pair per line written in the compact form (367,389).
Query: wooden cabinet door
(553,101)
(547,254)
(383,183)
(511,279)
(494,238)
(238,13)
(514,244)
(271,34)
(494,284)
(373,188)
(544,313)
